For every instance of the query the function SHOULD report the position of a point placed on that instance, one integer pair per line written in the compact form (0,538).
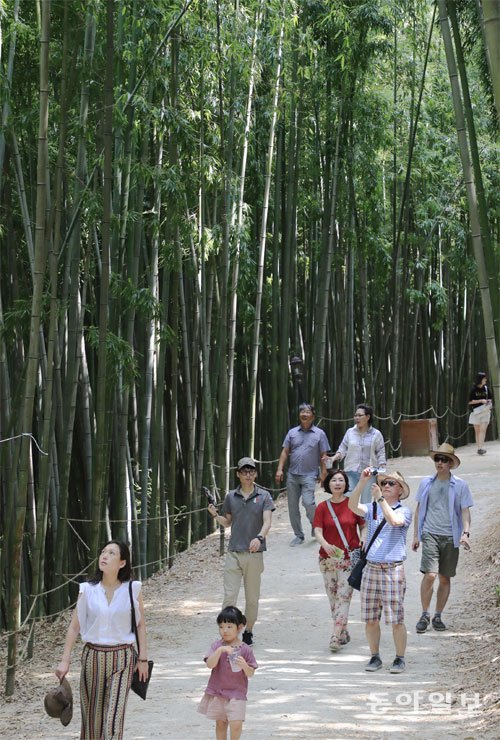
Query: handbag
(356,574)
(354,555)
(138,686)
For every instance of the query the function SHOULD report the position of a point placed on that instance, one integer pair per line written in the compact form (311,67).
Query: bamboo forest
(193,193)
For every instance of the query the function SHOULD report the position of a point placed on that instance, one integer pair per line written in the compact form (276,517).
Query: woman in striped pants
(103,618)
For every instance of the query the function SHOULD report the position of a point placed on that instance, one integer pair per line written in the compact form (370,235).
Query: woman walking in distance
(480,405)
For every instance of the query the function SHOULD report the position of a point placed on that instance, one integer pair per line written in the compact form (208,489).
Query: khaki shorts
(483,416)
(220,708)
(439,555)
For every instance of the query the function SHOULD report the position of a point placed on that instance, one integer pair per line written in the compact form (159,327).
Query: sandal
(438,624)
(345,637)
(335,644)
(423,623)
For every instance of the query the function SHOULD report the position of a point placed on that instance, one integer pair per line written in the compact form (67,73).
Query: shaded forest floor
(301,690)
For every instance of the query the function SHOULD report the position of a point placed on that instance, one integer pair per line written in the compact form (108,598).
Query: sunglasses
(388,482)
(441,458)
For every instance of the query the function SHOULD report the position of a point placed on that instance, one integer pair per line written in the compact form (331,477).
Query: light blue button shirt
(459,497)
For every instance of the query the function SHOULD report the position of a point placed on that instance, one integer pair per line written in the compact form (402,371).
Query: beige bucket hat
(399,479)
(449,451)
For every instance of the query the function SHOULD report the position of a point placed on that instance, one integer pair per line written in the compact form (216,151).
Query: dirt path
(301,690)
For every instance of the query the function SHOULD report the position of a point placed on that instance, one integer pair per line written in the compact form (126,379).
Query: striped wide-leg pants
(105,681)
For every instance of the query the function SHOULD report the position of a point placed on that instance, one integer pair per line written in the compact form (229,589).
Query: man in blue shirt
(383,585)
(442,524)
(304,447)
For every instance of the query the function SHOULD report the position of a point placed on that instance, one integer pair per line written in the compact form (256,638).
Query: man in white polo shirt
(248,511)
(383,585)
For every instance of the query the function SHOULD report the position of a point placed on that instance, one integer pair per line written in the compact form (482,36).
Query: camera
(209,496)
(376,471)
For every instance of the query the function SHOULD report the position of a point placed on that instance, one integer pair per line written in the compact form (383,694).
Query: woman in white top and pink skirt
(103,618)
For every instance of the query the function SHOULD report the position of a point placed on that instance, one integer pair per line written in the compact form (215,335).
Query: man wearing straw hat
(442,524)
(383,585)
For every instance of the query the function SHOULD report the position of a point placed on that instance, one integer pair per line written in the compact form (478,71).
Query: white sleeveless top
(107,624)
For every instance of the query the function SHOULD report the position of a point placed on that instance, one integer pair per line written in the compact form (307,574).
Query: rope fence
(400,416)
(25,434)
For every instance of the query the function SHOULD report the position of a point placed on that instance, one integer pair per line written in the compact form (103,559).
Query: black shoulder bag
(138,687)
(354,579)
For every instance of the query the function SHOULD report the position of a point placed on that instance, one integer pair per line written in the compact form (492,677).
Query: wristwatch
(380,499)
(467,534)
(260,538)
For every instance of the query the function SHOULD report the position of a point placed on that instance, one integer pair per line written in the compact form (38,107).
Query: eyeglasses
(247,471)
(390,483)
(441,458)
(357,416)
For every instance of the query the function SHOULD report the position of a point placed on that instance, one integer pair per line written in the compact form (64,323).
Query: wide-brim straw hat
(59,702)
(449,451)
(399,479)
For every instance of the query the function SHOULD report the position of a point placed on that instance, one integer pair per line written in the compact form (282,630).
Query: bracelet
(259,537)
(380,499)
(142,660)
(467,534)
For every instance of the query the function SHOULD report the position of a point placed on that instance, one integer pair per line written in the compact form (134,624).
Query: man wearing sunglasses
(442,524)
(248,511)
(383,585)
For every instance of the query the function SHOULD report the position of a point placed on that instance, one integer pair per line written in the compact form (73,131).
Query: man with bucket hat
(383,585)
(248,511)
(442,524)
